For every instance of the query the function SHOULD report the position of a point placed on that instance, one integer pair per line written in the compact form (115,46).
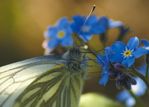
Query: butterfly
(46,81)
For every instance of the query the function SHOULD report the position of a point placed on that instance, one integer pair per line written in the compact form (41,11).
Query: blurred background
(22,23)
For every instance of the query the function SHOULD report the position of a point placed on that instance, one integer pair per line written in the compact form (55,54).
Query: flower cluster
(59,34)
(117,61)
(138,90)
(118,64)
(84,27)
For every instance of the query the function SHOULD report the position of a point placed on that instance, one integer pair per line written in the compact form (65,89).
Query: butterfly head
(74,53)
(75,60)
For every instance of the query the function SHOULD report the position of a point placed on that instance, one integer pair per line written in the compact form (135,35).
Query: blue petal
(109,56)
(53,43)
(108,51)
(101,59)
(68,41)
(85,37)
(140,88)
(104,78)
(130,102)
(140,52)
(126,98)
(91,20)
(62,23)
(101,26)
(52,31)
(145,42)
(128,62)
(116,58)
(117,49)
(133,43)
(75,27)
(79,20)
(77,23)
(114,24)
(123,95)
(104,22)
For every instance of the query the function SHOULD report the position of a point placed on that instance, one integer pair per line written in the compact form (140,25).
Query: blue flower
(86,27)
(139,89)
(61,33)
(103,60)
(113,71)
(126,54)
(125,97)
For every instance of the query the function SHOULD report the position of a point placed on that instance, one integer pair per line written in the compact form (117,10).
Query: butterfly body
(60,84)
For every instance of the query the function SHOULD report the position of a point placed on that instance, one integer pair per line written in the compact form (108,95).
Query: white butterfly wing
(14,78)
(55,88)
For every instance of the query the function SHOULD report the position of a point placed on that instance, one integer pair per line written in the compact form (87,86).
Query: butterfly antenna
(89,15)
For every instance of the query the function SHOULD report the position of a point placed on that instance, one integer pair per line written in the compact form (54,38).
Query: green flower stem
(77,39)
(134,72)
(103,39)
(147,71)
(139,102)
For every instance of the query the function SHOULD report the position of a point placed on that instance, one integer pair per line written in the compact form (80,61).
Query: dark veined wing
(55,88)
(16,77)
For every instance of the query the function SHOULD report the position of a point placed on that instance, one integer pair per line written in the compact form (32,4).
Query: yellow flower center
(127,53)
(61,34)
